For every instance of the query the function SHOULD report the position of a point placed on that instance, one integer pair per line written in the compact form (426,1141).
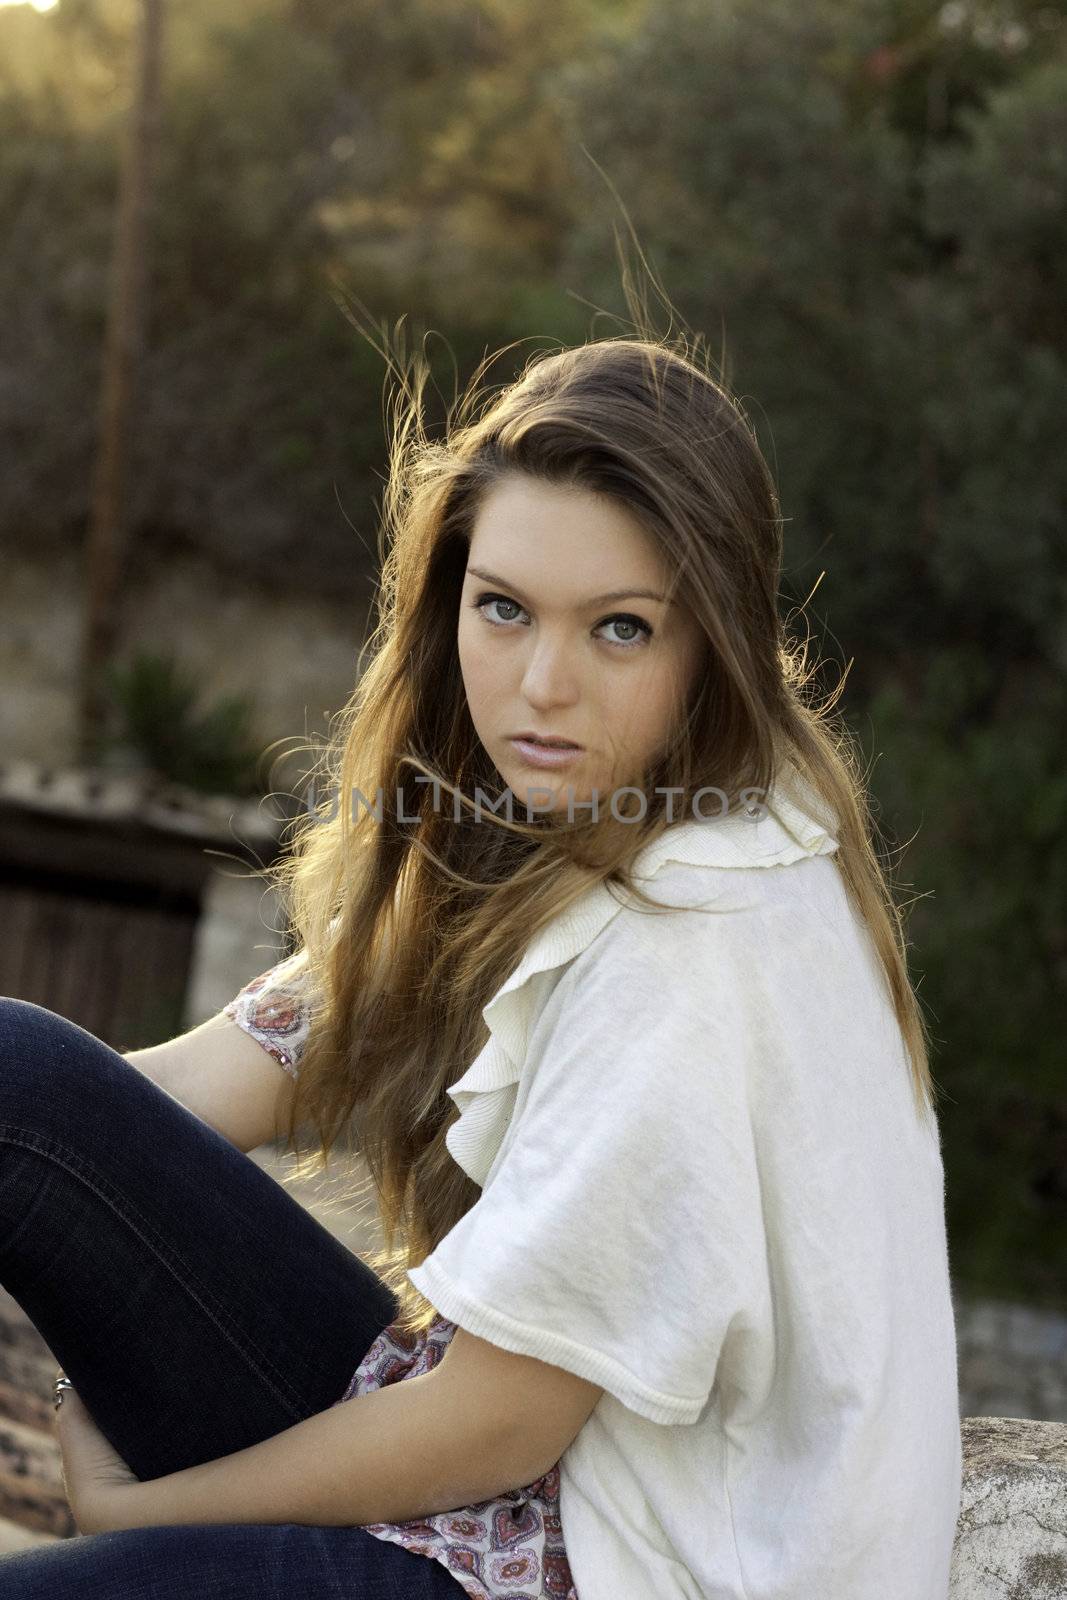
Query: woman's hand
(98,1483)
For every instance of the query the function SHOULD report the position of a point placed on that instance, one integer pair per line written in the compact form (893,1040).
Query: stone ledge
(1011,1537)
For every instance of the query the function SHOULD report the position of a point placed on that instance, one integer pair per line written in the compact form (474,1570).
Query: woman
(639,1076)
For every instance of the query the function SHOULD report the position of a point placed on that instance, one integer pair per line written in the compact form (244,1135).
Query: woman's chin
(545,790)
(551,792)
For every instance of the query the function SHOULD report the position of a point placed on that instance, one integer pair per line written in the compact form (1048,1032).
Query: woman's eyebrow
(593,600)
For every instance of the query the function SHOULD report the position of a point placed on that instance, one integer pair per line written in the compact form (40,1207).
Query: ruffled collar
(794,824)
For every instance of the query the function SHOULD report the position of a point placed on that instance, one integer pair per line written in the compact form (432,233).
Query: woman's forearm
(398,1453)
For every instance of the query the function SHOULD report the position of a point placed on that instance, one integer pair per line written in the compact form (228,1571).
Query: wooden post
(122,353)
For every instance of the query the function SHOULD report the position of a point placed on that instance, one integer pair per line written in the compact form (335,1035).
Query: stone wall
(295,658)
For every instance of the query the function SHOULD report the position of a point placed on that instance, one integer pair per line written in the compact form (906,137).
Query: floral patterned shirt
(507,1548)
(273,1009)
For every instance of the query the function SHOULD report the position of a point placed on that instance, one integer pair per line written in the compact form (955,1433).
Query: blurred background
(862,206)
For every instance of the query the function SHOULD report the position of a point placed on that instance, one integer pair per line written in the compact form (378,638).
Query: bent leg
(195,1305)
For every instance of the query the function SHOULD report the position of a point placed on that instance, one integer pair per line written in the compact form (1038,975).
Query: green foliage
(983,794)
(211,750)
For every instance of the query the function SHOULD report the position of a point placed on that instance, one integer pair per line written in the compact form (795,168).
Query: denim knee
(55,1075)
(29,1035)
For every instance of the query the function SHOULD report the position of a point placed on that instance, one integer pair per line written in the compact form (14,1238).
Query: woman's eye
(637,629)
(496,600)
(643,631)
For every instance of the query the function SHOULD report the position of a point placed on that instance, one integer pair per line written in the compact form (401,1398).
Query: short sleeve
(620,1232)
(274,1009)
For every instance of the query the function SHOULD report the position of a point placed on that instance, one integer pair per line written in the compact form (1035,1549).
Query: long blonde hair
(411,927)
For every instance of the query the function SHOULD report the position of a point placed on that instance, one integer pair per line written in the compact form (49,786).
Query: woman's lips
(545,755)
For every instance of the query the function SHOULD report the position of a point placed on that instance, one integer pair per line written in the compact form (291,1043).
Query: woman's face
(560,634)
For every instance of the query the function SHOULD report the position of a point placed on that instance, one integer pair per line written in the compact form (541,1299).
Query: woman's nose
(550,676)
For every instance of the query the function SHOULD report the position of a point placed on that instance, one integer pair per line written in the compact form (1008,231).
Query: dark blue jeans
(196,1307)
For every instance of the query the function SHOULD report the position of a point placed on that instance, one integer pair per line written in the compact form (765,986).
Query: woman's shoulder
(689,896)
(767,828)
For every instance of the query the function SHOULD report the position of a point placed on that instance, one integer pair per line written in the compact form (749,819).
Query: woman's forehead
(566,544)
